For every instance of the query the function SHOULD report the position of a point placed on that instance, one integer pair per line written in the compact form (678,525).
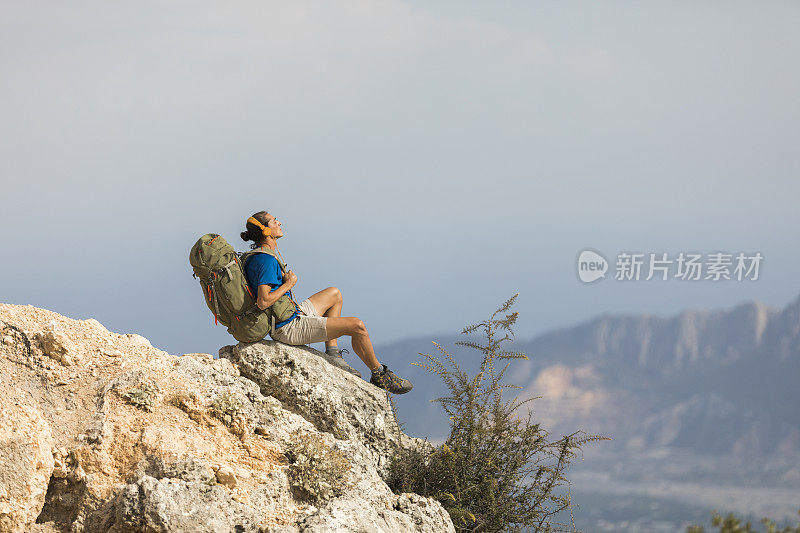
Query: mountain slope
(711,381)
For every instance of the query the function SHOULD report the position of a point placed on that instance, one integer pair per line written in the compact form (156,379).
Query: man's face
(275,225)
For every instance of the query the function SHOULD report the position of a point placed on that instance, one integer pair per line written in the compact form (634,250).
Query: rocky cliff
(101,431)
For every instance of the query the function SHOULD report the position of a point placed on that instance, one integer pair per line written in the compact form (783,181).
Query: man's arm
(267,298)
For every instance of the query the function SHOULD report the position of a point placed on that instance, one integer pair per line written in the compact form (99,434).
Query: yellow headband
(265,230)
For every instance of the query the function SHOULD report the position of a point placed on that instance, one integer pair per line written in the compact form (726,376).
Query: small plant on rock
(317,472)
(144,395)
(497,471)
(227,407)
(190,403)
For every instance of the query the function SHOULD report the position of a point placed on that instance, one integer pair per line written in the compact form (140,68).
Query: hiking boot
(335,358)
(386,379)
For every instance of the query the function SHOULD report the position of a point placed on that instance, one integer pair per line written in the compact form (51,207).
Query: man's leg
(328,303)
(381,377)
(362,345)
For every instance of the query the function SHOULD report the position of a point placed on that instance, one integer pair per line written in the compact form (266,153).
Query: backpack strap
(268,251)
(284,268)
(212,295)
(227,268)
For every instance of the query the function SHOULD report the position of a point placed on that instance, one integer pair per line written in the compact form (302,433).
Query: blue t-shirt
(263,269)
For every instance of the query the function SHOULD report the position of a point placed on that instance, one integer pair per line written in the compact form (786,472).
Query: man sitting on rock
(316,319)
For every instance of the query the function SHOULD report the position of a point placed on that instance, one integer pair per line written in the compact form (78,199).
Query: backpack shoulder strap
(263,250)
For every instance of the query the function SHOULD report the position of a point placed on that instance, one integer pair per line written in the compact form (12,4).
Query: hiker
(316,319)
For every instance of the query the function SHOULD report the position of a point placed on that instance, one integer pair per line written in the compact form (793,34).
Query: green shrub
(144,395)
(496,471)
(733,524)
(226,407)
(316,472)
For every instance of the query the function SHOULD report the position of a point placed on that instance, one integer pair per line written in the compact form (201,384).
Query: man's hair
(253,232)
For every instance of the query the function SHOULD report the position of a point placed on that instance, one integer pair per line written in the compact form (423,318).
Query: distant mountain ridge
(711,381)
(687,340)
(722,381)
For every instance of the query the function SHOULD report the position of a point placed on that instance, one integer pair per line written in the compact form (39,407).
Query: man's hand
(290,279)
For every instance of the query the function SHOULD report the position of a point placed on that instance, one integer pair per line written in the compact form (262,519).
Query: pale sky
(428,158)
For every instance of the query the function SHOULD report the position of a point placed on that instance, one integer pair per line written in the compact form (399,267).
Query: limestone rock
(210,452)
(404,513)
(369,506)
(57,345)
(333,400)
(226,476)
(110,351)
(138,339)
(95,324)
(26,463)
(177,506)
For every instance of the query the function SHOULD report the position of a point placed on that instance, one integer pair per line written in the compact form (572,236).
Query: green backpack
(227,293)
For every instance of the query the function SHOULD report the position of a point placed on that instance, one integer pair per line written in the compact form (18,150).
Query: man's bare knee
(359,328)
(336,294)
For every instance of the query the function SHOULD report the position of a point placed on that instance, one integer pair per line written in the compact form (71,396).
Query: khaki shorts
(304,329)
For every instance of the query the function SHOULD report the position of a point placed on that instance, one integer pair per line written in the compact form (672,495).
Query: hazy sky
(428,158)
